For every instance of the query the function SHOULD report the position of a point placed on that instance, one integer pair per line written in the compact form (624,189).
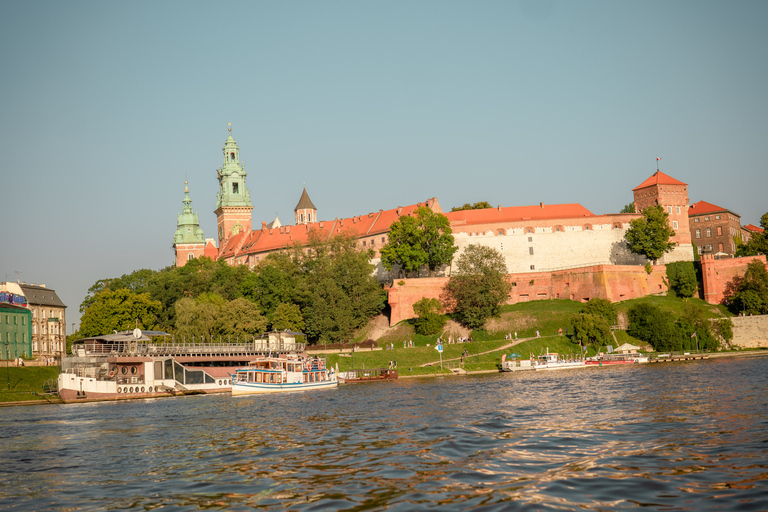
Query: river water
(672,436)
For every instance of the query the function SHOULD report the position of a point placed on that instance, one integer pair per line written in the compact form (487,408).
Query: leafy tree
(118,310)
(429,320)
(201,317)
(758,242)
(682,278)
(423,239)
(591,328)
(602,308)
(242,319)
(629,208)
(696,329)
(649,323)
(477,206)
(136,281)
(273,283)
(751,296)
(336,289)
(479,286)
(649,235)
(723,329)
(287,316)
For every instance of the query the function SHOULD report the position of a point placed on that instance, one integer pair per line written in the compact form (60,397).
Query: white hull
(250,388)
(560,365)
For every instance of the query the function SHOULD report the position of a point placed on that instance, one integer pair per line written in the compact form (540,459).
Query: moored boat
(369,375)
(553,361)
(292,372)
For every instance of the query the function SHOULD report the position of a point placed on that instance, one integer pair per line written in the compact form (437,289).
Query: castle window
(698,233)
(696,219)
(674,224)
(383,240)
(232,157)
(720,247)
(501,231)
(678,210)
(533,267)
(669,209)
(719,230)
(709,232)
(190,256)
(530,238)
(309,217)
(706,218)
(363,243)
(234,188)
(717,217)
(530,251)
(302,217)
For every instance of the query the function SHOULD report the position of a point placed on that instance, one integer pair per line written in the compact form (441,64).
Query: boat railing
(258,347)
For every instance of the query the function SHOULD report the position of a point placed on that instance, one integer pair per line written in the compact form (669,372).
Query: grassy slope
(25,383)
(546,316)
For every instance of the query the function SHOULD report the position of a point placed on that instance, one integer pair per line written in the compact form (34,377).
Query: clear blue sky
(104,106)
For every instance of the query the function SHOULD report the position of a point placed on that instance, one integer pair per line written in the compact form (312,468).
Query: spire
(231,175)
(188,226)
(305,202)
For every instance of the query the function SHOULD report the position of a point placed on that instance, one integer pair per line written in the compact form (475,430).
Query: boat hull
(252,388)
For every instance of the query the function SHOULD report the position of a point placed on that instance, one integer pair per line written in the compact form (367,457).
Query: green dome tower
(233,202)
(188,242)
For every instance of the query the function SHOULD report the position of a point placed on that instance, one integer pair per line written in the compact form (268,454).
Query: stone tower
(672,195)
(233,202)
(306,212)
(188,242)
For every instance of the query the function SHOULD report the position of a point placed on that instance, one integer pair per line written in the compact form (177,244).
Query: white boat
(553,361)
(285,373)
(515,364)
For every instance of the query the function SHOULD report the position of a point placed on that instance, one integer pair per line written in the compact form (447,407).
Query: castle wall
(719,275)
(184,250)
(750,331)
(612,282)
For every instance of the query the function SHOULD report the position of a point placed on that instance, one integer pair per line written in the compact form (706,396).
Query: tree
(429,320)
(242,318)
(479,286)
(723,329)
(682,278)
(201,317)
(422,239)
(592,329)
(650,324)
(118,310)
(751,295)
(602,308)
(758,242)
(287,316)
(649,235)
(630,208)
(477,206)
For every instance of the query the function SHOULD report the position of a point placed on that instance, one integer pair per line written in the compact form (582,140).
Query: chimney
(399,210)
(499,207)
(42,285)
(541,204)
(287,229)
(263,226)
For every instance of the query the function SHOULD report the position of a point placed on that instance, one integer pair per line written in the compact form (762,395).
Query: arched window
(190,256)
(309,217)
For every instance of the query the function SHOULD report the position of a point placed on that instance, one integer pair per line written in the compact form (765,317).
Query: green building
(15,331)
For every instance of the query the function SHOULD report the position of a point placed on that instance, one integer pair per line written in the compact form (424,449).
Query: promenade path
(503,347)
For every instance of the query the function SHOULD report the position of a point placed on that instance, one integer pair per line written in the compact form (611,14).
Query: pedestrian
(560,332)
(515,334)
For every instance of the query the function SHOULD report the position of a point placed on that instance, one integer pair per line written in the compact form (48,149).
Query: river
(672,436)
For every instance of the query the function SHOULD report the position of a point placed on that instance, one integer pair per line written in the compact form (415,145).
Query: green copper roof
(188,229)
(231,175)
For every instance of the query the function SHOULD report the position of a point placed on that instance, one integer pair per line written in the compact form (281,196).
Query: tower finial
(230,127)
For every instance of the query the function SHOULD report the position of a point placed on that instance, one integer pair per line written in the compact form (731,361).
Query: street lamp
(7,370)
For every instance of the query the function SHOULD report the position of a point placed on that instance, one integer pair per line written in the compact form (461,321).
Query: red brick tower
(672,195)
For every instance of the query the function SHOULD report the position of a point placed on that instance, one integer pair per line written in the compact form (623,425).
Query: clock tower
(233,202)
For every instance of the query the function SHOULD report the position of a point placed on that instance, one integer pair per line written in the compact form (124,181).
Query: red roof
(659,178)
(518,213)
(753,228)
(703,207)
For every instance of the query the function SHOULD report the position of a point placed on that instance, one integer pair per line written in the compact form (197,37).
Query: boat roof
(124,336)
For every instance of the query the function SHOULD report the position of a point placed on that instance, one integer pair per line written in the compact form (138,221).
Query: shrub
(602,308)
(682,278)
(429,320)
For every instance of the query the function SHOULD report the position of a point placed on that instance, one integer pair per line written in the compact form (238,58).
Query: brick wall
(750,331)
(718,275)
(612,282)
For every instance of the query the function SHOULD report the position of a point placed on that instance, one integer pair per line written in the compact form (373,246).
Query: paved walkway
(503,347)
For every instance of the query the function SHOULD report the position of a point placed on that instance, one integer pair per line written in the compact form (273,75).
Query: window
(719,230)
(501,231)
(383,240)
(698,233)
(709,232)
(709,247)
(706,218)
(533,267)
(190,256)
(677,209)
(309,217)
(674,224)
(302,217)
(669,209)
(530,251)
(363,243)
(234,188)
(696,219)
(720,247)
(717,217)
(530,238)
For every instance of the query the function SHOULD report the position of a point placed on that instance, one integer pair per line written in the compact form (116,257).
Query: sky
(107,107)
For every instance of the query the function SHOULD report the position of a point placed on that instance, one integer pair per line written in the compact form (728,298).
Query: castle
(539,238)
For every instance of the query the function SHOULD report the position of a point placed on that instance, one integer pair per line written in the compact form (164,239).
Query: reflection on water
(673,436)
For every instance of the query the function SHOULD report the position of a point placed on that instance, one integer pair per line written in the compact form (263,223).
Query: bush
(652,325)
(602,308)
(592,329)
(682,278)
(429,320)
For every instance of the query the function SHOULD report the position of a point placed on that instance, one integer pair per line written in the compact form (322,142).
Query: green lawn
(26,383)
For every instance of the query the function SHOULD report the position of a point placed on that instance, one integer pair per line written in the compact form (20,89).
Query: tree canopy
(757,243)
(119,310)
(749,296)
(629,208)
(478,286)
(682,278)
(429,320)
(477,206)
(422,239)
(649,235)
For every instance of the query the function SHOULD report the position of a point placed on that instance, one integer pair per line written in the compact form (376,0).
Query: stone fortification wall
(612,282)
(719,275)
(750,331)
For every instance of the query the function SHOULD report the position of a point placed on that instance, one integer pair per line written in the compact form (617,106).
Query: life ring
(320,365)
(308,366)
(112,374)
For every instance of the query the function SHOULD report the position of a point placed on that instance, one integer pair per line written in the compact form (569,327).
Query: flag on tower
(658,158)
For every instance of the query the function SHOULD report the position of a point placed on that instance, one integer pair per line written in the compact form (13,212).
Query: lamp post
(7,370)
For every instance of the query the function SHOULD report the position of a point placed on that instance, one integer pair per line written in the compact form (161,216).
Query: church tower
(233,202)
(306,212)
(188,242)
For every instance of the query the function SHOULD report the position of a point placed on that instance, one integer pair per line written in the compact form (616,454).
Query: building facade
(714,230)
(48,321)
(15,329)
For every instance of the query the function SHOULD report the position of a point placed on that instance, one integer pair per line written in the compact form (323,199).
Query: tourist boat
(290,372)
(372,374)
(553,361)
(128,365)
(515,363)
(611,359)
